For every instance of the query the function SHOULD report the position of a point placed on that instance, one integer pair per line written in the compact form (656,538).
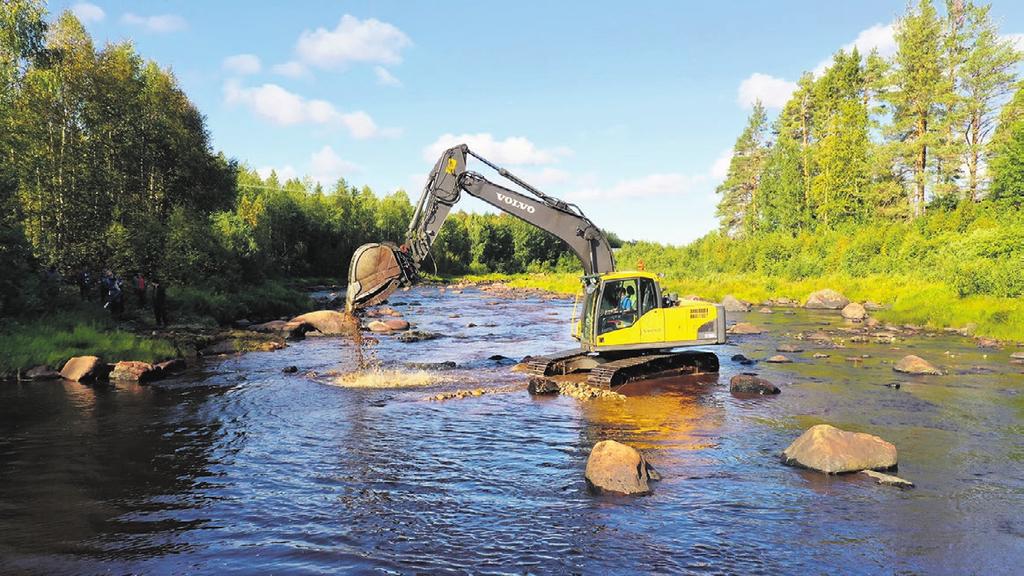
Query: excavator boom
(378,269)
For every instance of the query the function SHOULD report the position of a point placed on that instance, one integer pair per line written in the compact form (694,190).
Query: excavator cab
(628,311)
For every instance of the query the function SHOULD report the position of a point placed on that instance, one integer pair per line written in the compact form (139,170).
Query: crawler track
(619,372)
(556,364)
(612,373)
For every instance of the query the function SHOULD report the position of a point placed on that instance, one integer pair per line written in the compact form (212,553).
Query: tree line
(871,139)
(107,164)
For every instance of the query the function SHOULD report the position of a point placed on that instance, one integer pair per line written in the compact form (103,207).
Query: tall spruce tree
(738,191)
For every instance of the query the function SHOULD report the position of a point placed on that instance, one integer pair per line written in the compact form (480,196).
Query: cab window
(648,299)
(618,305)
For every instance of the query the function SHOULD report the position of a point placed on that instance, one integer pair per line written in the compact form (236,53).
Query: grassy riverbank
(53,338)
(75,328)
(908,300)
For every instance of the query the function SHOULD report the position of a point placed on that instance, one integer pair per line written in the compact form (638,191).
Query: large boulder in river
(733,304)
(833,451)
(915,365)
(854,311)
(85,369)
(133,371)
(329,322)
(616,468)
(751,384)
(288,329)
(826,299)
(397,324)
(378,326)
(744,328)
(42,372)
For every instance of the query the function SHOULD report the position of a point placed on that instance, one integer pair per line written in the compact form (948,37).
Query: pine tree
(987,77)
(738,191)
(916,94)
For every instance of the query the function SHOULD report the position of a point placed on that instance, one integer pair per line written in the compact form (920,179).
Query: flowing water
(239,468)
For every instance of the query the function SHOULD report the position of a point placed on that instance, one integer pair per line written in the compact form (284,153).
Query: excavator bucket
(374,274)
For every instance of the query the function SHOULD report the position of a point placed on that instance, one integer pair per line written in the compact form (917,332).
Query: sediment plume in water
(391,378)
(363,359)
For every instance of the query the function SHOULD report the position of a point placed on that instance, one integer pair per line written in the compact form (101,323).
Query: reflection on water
(242,469)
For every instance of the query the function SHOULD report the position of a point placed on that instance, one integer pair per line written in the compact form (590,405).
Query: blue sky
(628,109)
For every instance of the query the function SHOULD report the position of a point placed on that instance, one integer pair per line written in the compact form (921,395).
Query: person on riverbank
(84,282)
(159,302)
(115,296)
(139,285)
(51,283)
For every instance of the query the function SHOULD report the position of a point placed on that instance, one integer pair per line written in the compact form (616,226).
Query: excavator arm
(377,270)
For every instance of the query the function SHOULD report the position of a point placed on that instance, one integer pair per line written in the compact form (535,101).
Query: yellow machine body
(605,321)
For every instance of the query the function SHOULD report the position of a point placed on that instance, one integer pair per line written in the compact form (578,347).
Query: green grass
(910,300)
(78,328)
(268,300)
(75,331)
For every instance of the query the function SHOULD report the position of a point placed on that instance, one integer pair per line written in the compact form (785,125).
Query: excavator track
(557,364)
(619,372)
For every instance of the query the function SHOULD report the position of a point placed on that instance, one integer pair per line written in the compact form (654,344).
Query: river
(239,468)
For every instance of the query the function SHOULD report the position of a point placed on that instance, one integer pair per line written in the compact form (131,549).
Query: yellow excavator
(627,326)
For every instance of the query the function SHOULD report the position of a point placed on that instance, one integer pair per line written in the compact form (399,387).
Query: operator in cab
(628,301)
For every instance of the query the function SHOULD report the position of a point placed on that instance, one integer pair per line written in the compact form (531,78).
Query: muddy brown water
(238,468)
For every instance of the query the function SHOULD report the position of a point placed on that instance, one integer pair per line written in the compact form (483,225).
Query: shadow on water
(242,469)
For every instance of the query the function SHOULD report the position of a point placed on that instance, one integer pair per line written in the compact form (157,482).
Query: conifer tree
(916,95)
(986,78)
(738,191)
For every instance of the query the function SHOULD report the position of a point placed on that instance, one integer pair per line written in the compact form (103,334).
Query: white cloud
(353,40)
(242,64)
(720,167)
(291,69)
(880,37)
(771,91)
(326,166)
(86,12)
(386,78)
(666,184)
(161,23)
(657,184)
(286,108)
(1016,39)
(284,173)
(511,150)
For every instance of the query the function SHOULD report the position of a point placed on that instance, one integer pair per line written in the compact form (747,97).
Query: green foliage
(74,331)
(739,203)
(260,302)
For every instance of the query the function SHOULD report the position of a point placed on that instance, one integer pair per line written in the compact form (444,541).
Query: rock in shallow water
(84,369)
(733,304)
(854,311)
(779,359)
(41,372)
(744,328)
(328,322)
(830,450)
(888,479)
(751,384)
(915,365)
(826,299)
(133,371)
(616,468)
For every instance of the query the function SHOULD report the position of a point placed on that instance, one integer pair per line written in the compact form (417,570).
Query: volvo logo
(516,203)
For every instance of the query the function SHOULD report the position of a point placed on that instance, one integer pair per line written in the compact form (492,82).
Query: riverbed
(238,468)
